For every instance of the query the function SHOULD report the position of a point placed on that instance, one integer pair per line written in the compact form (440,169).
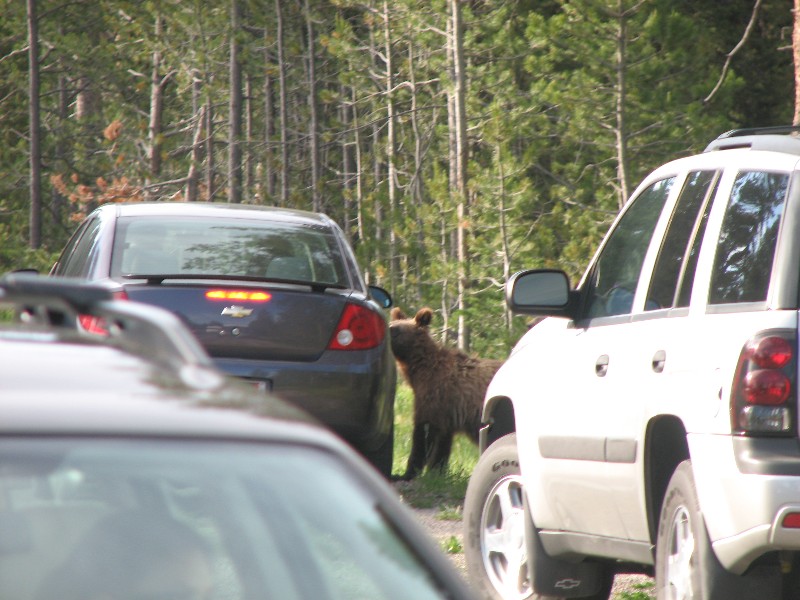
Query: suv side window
(612,284)
(677,258)
(79,253)
(749,235)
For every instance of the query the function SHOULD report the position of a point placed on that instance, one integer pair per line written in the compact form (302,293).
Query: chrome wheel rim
(503,548)
(681,551)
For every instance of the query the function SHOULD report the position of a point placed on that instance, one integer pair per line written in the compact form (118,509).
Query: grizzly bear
(448,387)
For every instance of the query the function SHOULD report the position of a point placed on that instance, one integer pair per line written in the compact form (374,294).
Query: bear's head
(410,337)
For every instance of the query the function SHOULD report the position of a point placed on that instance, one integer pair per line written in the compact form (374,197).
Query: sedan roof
(242,211)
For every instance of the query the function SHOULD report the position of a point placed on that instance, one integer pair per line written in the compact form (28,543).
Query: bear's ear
(423,317)
(397,314)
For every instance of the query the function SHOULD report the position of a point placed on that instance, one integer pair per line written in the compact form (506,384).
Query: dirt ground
(443,530)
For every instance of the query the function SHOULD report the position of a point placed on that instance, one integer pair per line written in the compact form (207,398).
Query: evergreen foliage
(569,103)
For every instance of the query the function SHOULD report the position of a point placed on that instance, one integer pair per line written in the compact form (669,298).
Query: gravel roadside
(443,530)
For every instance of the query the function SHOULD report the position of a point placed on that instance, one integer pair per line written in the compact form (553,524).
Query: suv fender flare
(497,419)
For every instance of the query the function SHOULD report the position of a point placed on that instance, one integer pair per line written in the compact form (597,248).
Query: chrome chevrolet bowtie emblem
(567,584)
(236,311)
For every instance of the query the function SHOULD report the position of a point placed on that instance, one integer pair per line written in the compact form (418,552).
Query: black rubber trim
(767,456)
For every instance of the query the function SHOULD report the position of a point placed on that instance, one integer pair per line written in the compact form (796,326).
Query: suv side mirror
(541,292)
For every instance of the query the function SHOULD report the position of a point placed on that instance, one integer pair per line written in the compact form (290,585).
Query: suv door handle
(659,359)
(601,366)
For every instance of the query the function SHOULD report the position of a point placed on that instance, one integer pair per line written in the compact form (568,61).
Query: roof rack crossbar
(142,329)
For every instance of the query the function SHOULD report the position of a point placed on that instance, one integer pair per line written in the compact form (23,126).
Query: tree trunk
(269,129)
(796,53)
(621,100)
(208,113)
(35,225)
(283,108)
(417,184)
(460,91)
(156,110)
(193,176)
(377,206)
(313,126)
(247,155)
(347,168)
(359,167)
(504,234)
(391,144)
(235,111)
(59,201)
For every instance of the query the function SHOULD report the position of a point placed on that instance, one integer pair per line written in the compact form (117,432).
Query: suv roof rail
(780,138)
(141,329)
(774,130)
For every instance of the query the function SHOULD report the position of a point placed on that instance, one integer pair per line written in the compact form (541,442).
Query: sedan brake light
(764,383)
(239,295)
(359,328)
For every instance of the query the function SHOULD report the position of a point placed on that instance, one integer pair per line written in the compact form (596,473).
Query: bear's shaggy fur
(448,387)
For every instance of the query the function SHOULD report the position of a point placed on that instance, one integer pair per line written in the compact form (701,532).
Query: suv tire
(686,566)
(494,524)
(502,544)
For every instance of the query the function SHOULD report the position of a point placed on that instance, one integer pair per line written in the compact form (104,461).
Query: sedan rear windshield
(201,246)
(116,518)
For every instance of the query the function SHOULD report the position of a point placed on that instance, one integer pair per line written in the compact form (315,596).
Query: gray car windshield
(84,519)
(199,246)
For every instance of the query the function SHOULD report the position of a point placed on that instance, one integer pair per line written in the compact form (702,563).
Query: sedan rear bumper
(346,391)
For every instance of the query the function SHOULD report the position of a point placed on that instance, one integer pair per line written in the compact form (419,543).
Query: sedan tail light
(765,385)
(97,325)
(359,328)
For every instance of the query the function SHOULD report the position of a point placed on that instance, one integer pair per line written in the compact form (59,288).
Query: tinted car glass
(669,267)
(687,279)
(616,273)
(86,518)
(748,238)
(205,246)
(81,251)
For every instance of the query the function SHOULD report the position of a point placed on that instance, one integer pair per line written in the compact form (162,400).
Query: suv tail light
(98,325)
(359,328)
(765,385)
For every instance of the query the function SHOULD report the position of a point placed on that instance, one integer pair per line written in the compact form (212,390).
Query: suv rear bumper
(738,552)
(763,475)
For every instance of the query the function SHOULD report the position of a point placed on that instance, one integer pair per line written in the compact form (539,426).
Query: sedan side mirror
(381,296)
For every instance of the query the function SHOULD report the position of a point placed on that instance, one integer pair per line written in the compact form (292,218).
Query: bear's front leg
(419,451)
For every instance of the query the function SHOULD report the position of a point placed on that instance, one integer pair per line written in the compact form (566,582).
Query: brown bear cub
(448,387)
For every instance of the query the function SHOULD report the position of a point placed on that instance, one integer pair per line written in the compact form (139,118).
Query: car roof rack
(780,138)
(148,331)
(773,130)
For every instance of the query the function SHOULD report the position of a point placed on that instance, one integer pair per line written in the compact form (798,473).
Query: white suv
(653,424)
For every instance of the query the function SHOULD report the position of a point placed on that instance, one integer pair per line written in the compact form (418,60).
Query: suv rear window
(201,246)
(749,235)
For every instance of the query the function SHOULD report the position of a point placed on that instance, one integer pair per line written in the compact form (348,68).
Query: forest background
(454,141)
